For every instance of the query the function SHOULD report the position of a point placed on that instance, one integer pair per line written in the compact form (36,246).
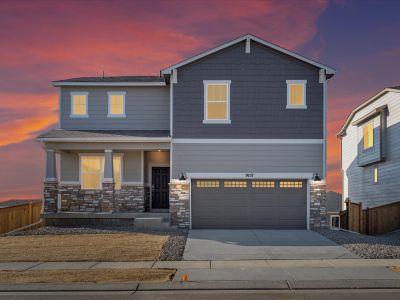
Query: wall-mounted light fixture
(316,177)
(183,177)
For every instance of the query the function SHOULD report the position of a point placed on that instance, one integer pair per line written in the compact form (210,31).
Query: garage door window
(207,183)
(262,184)
(235,184)
(291,184)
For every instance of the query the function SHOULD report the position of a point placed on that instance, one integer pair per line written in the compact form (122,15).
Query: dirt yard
(86,276)
(83,247)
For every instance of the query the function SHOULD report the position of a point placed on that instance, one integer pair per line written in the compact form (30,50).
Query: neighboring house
(333,207)
(230,138)
(371,150)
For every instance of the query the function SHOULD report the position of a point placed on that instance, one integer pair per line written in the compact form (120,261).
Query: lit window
(376,175)
(291,184)
(217,98)
(296,93)
(207,183)
(368,135)
(79,104)
(262,184)
(92,170)
(116,104)
(235,184)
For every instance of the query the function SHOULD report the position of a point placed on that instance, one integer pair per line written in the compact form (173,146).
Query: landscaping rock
(174,247)
(366,246)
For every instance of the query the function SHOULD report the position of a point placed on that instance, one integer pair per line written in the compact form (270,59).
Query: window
(335,221)
(235,184)
(262,184)
(207,183)
(376,175)
(92,170)
(291,184)
(217,101)
(116,104)
(368,135)
(296,94)
(79,104)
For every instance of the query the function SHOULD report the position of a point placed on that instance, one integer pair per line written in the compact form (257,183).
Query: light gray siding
(131,168)
(258,96)
(246,158)
(146,108)
(358,182)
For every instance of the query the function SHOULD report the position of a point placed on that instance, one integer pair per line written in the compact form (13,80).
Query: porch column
(108,182)
(50,190)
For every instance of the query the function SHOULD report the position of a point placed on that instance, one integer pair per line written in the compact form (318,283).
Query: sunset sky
(43,41)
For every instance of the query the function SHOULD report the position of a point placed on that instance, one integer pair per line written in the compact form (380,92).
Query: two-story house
(230,138)
(370,145)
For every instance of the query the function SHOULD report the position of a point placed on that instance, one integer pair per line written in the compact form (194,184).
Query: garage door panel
(260,205)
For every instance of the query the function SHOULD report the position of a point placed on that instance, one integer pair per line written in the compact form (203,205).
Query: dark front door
(160,188)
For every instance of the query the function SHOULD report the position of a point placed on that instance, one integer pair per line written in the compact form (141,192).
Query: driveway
(261,244)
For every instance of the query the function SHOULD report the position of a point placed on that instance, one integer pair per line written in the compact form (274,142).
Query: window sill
(296,106)
(116,116)
(216,121)
(78,116)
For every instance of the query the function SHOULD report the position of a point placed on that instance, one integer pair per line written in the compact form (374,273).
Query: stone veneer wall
(179,203)
(318,213)
(74,199)
(50,196)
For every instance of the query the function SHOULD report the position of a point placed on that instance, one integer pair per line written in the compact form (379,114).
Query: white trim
(249,175)
(150,167)
(105,140)
(59,108)
(142,166)
(228,113)
(170,161)
(247,45)
(116,93)
(325,108)
(171,104)
(69,83)
(69,182)
(190,204)
(168,70)
(331,217)
(72,94)
(308,204)
(342,131)
(296,106)
(174,76)
(247,141)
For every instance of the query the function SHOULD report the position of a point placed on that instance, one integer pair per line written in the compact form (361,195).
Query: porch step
(153,223)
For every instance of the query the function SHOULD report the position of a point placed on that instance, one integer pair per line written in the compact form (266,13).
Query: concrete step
(152,223)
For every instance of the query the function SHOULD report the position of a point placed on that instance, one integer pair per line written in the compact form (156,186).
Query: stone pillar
(179,203)
(108,182)
(318,214)
(50,191)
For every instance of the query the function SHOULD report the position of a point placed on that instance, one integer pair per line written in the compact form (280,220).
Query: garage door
(275,204)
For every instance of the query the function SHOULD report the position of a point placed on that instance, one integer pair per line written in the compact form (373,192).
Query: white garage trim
(307,176)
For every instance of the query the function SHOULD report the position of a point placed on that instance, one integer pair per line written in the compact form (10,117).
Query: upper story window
(116,104)
(296,94)
(368,135)
(79,104)
(217,101)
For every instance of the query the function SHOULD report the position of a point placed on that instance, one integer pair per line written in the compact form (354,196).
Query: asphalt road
(211,295)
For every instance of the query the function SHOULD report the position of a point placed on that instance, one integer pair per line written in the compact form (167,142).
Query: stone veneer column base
(129,198)
(107,204)
(50,196)
(179,203)
(318,214)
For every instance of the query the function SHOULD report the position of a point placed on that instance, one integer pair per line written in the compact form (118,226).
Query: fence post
(359,217)
(367,221)
(348,202)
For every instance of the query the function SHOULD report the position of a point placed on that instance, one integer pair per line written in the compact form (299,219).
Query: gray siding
(258,96)
(69,165)
(244,158)
(146,108)
(359,183)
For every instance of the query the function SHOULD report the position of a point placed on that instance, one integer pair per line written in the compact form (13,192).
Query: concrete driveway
(261,244)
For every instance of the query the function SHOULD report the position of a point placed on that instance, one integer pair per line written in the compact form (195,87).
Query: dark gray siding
(146,108)
(258,96)
(243,158)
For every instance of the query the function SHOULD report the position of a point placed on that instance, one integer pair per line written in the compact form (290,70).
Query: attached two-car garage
(237,203)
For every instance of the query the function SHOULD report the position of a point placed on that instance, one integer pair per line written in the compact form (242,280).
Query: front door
(160,188)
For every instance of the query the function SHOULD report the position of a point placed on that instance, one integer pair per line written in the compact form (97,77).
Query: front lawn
(82,247)
(85,276)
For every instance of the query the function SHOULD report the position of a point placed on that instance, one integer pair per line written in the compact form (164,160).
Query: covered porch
(106,171)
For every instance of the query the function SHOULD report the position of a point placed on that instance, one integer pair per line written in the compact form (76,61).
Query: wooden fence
(20,215)
(376,220)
